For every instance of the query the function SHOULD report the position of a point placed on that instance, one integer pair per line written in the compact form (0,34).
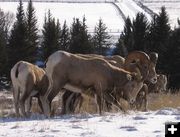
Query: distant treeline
(22,41)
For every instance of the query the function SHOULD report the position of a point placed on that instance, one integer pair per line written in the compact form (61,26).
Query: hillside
(113,12)
(172,7)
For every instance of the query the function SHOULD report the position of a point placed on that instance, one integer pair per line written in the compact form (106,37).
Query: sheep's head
(131,89)
(142,61)
(152,76)
(145,64)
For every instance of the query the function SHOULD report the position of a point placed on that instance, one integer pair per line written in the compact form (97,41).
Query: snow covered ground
(139,124)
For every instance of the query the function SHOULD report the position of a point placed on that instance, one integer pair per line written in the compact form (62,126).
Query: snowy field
(172,7)
(139,124)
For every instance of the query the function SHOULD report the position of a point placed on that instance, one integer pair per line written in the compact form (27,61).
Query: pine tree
(139,31)
(174,61)
(51,36)
(159,36)
(174,49)
(32,31)
(80,39)
(3,42)
(18,48)
(126,37)
(121,48)
(64,38)
(101,38)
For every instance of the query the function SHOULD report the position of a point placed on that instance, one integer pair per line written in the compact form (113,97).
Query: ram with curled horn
(143,61)
(75,73)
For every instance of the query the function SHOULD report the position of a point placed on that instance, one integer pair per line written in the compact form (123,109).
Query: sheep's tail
(17,71)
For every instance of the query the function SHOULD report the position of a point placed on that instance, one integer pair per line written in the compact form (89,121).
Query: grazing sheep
(28,80)
(117,61)
(75,73)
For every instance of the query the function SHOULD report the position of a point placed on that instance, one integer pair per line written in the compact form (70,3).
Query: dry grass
(6,104)
(56,103)
(160,100)
(155,102)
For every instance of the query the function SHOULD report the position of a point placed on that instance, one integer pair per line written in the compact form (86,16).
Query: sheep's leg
(28,105)
(145,104)
(98,97)
(145,101)
(16,94)
(108,100)
(46,99)
(40,104)
(45,105)
(141,99)
(25,94)
(65,97)
(78,102)
(70,103)
(111,100)
(99,103)
(108,105)
(22,103)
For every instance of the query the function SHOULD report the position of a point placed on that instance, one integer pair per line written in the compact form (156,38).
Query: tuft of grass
(6,105)
(35,108)
(160,100)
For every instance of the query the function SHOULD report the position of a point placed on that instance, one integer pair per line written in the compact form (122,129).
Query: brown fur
(141,100)
(120,63)
(64,68)
(160,85)
(26,79)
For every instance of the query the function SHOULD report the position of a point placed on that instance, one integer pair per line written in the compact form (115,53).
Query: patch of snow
(133,124)
(168,111)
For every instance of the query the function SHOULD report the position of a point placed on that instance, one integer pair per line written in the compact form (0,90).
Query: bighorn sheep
(117,61)
(28,80)
(160,85)
(75,73)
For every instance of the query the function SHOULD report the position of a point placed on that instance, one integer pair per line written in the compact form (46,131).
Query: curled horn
(153,57)
(137,56)
(142,61)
